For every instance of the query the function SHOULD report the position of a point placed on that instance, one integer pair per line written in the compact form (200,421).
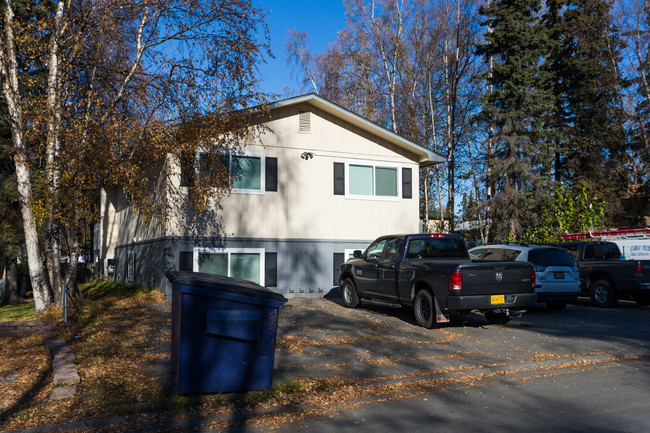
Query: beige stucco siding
(305,205)
(120,225)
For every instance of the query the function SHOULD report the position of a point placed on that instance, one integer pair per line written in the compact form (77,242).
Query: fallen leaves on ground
(114,337)
(110,338)
(24,373)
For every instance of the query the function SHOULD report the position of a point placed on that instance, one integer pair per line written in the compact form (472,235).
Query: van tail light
(638,270)
(456,281)
(532,278)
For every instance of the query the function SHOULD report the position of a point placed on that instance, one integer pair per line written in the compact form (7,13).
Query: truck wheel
(424,309)
(497,318)
(603,294)
(349,294)
(642,299)
(555,305)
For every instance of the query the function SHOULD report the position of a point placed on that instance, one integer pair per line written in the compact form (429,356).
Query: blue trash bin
(223,333)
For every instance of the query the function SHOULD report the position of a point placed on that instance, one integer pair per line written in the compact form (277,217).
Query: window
(368,180)
(550,257)
(598,251)
(510,255)
(392,248)
(475,254)
(246,264)
(436,248)
(373,181)
(573,252)
(375,249)
(493,255)
(244,171)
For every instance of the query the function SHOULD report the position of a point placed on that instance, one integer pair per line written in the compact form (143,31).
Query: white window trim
(260,155)
(260,251)
(374,164)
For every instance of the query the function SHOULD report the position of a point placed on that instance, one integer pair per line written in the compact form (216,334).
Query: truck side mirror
(357,254)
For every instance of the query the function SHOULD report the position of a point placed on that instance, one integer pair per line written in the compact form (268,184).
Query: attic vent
(304,122)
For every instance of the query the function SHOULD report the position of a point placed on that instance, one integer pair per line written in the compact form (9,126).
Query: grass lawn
(24,311)
(113,331)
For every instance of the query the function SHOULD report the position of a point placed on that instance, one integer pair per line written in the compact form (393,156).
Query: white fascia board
(426,157)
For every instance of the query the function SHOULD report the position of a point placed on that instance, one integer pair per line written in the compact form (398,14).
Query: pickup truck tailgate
(497,277)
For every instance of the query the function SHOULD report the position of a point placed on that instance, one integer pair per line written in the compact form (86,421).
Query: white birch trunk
(53,152)
(9,79)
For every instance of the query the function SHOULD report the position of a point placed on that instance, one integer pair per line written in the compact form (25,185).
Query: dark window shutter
(271,178)
(339,259)
(187,168)
(339,178)
(271,269)
(407,184)
(186,261)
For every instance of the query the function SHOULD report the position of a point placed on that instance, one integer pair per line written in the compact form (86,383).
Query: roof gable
(425,156)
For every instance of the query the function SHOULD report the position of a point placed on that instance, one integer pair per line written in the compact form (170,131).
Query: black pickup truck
(605,277)
(433,274)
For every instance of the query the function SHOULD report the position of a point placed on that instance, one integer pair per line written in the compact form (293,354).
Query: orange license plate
(497,299)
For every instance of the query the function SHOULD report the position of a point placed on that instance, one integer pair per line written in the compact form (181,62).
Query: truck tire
(424,309)
(349,294)
(497,318)
(603,294)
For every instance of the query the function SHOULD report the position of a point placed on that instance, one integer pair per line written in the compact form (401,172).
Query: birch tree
(123,79)
(11,93)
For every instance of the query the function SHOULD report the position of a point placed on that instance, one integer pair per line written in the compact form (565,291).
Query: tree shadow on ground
(28,398)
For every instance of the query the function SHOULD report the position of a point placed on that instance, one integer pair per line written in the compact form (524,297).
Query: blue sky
(321,20)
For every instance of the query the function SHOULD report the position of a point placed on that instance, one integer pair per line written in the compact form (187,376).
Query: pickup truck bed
(433,274)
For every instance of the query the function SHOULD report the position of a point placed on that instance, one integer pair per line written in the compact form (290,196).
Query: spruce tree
(518,100)
(587,87)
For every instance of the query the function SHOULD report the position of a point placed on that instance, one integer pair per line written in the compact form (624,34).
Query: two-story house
(319,182)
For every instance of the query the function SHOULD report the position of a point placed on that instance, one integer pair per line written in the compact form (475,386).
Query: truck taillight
(638,270)
(532,278)
(456,281)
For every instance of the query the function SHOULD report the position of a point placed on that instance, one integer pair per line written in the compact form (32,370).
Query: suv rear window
(549,257)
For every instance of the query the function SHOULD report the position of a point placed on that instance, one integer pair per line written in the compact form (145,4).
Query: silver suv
(556,275)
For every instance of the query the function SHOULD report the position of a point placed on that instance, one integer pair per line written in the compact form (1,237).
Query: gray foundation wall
(305,267)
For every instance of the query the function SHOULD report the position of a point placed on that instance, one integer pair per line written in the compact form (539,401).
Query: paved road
(581,369)
(611,399)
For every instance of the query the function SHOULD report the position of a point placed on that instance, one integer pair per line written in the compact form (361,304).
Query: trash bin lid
(220,283)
